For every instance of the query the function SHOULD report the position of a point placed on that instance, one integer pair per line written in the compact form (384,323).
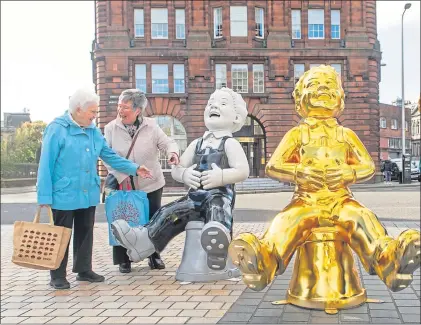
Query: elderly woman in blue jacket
(68,181)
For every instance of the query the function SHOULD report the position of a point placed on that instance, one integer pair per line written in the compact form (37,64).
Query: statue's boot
(136,240)
(257,265)
(398,261)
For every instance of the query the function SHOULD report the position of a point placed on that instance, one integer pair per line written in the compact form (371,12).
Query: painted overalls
(198,205)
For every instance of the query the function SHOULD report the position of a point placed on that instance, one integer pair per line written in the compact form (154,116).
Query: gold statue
(323,221)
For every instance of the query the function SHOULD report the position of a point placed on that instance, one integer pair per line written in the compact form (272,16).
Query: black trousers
(82,221)
(119,252)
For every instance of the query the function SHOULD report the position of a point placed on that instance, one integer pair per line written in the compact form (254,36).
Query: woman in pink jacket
(151,139)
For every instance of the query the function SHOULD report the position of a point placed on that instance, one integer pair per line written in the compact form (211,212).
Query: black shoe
(125,267)
(90,276)
(155,262)
(60,283)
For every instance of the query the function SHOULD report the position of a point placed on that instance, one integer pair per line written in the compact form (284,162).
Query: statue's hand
(338,177)
(212,178)
(309,178)
(191,177)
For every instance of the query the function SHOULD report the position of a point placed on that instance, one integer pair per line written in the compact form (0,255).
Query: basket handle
(38,214)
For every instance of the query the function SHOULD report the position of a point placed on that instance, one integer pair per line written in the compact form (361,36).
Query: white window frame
(335,21)
(296,23)
(139,23)
(159,23)
(239,19)
(160,77)
(394,124)
(217,22)
(180,24)
(170,125)
(140,77)
(258,78)
(299,69)
(220,76)
(179,75)
(259,17)
(315,20)
(406,125)
(239,83)
(383,123)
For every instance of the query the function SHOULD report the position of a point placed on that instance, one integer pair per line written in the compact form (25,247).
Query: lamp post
(407,6)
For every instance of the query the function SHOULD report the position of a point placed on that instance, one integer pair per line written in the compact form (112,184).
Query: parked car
(415,169)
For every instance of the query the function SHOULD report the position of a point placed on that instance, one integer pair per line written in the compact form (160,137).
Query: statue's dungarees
(198,205)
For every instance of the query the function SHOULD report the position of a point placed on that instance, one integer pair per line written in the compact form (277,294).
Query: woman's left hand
(173,160)
(144,172)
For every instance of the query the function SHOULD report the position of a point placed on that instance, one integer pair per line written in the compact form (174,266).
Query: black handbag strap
(132,145)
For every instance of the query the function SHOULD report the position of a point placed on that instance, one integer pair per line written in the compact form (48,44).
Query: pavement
(146,296)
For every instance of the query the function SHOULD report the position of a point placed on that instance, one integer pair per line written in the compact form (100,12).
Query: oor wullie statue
(323,219)
(210,166)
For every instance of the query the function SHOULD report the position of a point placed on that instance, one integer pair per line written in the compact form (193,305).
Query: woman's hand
(144,172)
(173,159)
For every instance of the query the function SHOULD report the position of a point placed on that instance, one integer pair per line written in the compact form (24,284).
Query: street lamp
(407,6)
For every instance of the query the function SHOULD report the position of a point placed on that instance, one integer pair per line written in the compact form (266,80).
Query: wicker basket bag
(38,245)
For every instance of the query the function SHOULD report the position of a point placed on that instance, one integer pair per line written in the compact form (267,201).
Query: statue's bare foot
(407,261)
(246,253)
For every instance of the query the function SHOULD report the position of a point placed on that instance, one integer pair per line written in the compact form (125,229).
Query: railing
(19,171)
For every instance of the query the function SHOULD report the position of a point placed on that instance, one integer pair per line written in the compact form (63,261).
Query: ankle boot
(155,262)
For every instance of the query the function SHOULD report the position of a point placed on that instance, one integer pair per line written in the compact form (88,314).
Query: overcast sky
(45,53)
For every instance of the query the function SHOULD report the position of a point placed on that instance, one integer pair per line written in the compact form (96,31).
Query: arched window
(418,128)
(175,130)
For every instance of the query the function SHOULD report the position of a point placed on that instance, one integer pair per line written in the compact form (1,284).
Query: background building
(180,51)
(415,131)
(13,121)
(391,130)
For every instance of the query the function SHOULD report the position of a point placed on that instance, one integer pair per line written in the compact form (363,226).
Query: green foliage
(23,146)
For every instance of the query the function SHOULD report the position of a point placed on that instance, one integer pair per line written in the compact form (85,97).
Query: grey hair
(82,98)
(240,106)
(136,96)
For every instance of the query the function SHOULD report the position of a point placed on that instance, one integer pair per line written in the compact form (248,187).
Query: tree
(23,146)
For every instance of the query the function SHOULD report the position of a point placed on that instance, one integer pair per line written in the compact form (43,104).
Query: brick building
(179,51)
(391,131)
(415,131)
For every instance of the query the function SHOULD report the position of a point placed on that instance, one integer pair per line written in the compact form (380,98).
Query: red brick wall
(390,112)
(114,61)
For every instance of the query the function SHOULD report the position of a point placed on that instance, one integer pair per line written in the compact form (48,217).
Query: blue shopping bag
(132,206)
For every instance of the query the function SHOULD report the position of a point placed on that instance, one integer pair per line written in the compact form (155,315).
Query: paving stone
(264,320)
(193,313)
(411,318)
(118,320)
(354,318)
(145,320)
(236,317)
(384,313)
(357,310)
(408,303)
(12,320)
(167,312)
(295,317)
(268,312)
(63,320)
(381,320)
(409,310)
(64,312)
(202,320)
(173,320)
(382,306)
(324,320)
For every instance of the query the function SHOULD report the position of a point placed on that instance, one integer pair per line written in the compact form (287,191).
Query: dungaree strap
(199,145)
(222,144)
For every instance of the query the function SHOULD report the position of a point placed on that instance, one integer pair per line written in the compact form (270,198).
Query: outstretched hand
(144,172)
